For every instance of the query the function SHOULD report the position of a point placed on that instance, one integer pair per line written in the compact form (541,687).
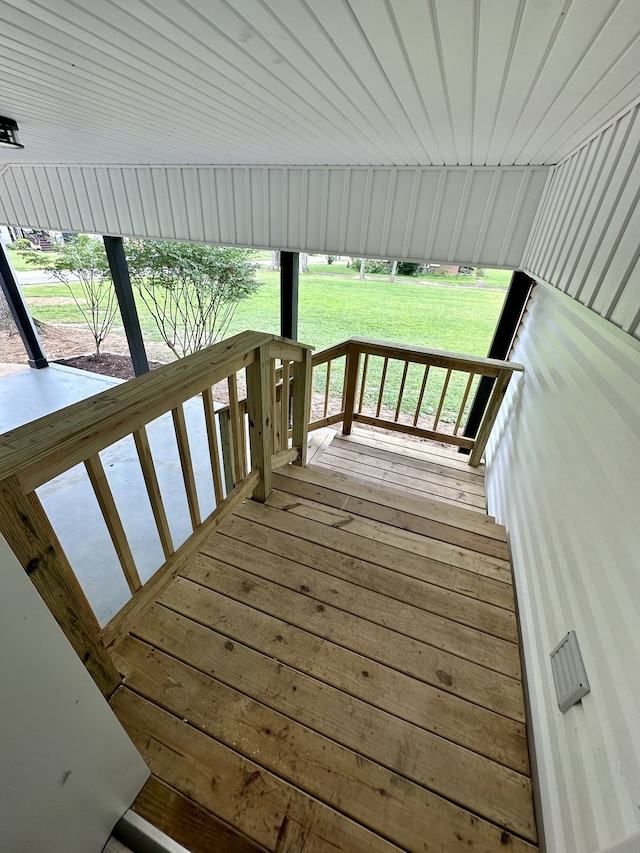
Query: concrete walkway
(69,500)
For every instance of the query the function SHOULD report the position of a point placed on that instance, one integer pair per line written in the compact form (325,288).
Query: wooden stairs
(337,669)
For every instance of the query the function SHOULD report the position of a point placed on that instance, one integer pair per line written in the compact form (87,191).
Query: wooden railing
(417,391)
(36,453)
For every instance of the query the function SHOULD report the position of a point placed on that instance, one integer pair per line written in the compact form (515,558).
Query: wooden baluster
(382,381)
(490,414)
(401,392)
(275,410)
(421,395)
(28,531)
(441,403)
(327,388)
(113,521)
(153,490)
(365,367)
(212,437)
(180,427)
(302,373)
(260,420)
(463,404)
(237,430)
(226,442)
(284,405)
(351,370)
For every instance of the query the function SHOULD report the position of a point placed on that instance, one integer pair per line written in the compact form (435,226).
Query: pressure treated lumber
(345,781)
(187,822)
(478,729)
(264,807)
(350,544)
(384,512)
(468,779)
(472,681)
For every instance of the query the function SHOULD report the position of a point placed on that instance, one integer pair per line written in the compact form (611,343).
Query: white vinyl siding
(563,475)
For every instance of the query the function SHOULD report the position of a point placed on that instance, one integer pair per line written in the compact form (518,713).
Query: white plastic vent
(569,674)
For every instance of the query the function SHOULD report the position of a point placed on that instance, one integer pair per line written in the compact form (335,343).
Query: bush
(21,245)
(372,265)
(331,259)
(407,268)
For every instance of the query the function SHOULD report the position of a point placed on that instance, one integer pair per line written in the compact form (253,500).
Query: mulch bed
(108,364)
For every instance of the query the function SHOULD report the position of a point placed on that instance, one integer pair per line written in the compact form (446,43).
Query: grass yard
(455,318)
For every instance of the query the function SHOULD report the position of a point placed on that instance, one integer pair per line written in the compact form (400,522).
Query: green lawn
(458,319)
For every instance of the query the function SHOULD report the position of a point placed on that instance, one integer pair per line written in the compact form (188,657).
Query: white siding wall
(586,238)
(481,216)
(564,477)
(68,771)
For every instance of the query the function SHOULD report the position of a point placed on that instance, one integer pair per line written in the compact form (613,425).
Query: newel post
(301,405)
(260,420)
(351,370)
(32,539)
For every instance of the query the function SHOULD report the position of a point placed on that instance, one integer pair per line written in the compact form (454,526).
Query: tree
(394,267)
(83,259)
(304,262)
(191,289)
(275,261)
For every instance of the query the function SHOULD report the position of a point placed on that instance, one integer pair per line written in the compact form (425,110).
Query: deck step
(398,499)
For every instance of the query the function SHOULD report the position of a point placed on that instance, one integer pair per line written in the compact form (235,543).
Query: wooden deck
(337,670)
(427,470)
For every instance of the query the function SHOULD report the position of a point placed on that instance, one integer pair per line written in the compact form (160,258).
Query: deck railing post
(301,405)
(31,537)
(260,419)
(490,414)
(351,371)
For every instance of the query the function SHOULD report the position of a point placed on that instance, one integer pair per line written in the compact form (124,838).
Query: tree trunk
(275,261)
(304,262)
(362,263)
(394,267)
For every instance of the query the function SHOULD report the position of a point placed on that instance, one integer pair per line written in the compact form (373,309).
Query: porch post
(128,311)
(20,312)
(289,281)
(517,296)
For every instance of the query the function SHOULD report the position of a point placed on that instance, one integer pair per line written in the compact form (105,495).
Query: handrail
(35,453)
(359,368)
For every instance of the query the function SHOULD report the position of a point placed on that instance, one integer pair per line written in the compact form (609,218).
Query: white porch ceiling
(314,82)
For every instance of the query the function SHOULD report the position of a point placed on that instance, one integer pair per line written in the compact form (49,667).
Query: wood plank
(238,441)
(409,429)
(351,371)
(423,462)
(390,515)
(317,443)
(301,405)
(423,475)
(44,448)
(120,624)
(349,544)
(417,593)
(184,820)
(490,414)
(259,394)
(490,689)
(445,714)
(184,452)
(145,457)
(421,489)
(113,521)
(271,812)
(405,540)
(460,517)
(437,358)
(335,775)
(212,439)
(405,447)
(285,397)
(469,643)
(474,782)
(29,534)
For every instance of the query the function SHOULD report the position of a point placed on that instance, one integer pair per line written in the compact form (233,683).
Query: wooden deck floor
(419,468)
(335,670)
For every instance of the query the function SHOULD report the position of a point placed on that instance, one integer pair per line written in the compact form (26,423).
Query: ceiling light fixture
(9,133)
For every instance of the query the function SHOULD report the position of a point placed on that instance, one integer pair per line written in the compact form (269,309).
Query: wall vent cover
(569,673)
